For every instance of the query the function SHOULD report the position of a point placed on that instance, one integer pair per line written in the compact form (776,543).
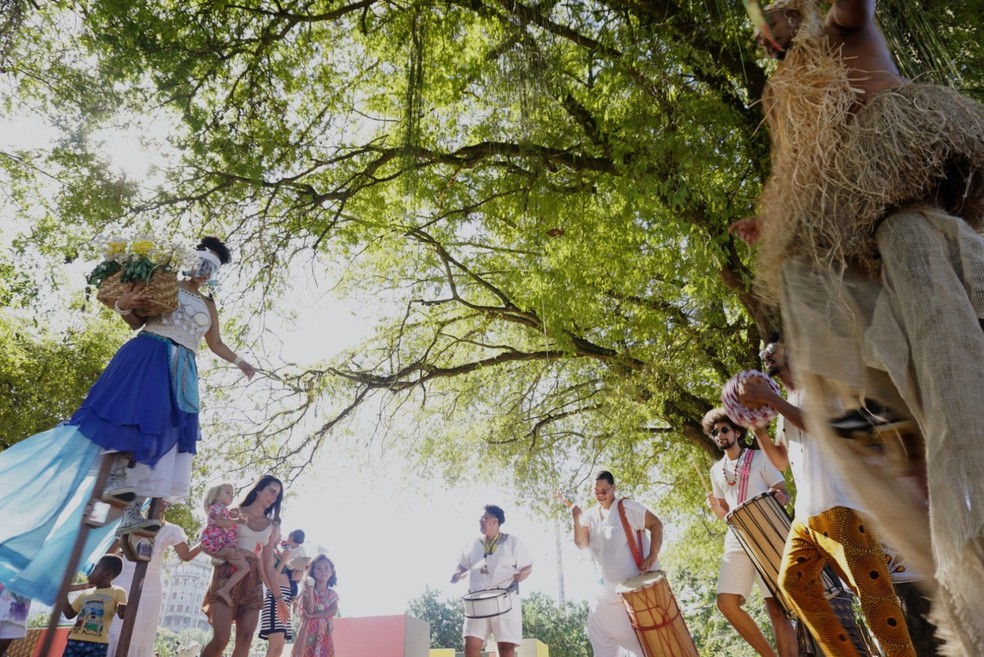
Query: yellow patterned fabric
(840,536)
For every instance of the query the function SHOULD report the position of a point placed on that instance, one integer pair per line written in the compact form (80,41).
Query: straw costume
(883,293)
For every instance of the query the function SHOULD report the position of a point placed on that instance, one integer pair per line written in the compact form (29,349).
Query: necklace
(491,545)
(731,481)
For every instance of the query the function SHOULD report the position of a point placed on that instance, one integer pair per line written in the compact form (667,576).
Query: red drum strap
(634,546)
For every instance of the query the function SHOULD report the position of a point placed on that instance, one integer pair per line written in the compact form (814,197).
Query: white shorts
(12,630)
(737,574)
(507,627)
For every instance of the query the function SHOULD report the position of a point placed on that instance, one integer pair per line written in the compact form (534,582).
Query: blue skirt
(133,407)
(46,480)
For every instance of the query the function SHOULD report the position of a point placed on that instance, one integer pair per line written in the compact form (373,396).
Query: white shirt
(818,485)
(506,560)
(609,546)
(762,476)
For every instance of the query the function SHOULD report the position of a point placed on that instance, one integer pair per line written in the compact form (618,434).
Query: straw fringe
(838,172)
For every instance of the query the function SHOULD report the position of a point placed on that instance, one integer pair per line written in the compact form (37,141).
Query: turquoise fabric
(46,483)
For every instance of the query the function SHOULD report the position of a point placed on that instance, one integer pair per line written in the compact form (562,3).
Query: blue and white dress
(145,402)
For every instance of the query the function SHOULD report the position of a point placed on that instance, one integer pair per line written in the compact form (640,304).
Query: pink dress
(314,638)
(214,538)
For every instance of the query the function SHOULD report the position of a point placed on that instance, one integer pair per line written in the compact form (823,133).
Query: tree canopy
(535,194)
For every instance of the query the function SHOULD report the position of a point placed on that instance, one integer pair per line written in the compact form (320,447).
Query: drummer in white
(741,475)
(495,561)
(602,530)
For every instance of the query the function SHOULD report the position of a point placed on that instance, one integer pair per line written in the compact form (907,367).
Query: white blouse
(187,324)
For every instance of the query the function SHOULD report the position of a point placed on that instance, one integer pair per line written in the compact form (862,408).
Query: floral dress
(314,638)
(214,538)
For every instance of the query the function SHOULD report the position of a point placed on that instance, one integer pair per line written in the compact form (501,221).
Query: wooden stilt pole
(73,560)
(136,590)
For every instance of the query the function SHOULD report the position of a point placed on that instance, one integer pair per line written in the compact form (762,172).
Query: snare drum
(655,616)
(487,603)
(762,526)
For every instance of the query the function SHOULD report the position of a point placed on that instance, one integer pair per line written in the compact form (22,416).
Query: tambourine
(744,415)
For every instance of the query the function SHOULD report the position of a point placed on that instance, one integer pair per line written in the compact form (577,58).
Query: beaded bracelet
(120,311)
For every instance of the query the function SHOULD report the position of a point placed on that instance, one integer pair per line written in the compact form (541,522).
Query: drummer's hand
(781,495)
(456,577)
(647,563)
(576,512)
(756,390)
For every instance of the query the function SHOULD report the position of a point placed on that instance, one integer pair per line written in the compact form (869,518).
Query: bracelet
(120,311)
(238,361)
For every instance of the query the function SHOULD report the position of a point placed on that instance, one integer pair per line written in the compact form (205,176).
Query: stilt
(73,559)
(136,590)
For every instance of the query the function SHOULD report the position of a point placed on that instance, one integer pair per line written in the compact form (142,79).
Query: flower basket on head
(140,262)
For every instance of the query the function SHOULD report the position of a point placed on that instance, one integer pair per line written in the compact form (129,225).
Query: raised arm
(778,454)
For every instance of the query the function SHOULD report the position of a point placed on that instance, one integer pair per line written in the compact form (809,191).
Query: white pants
(610,631)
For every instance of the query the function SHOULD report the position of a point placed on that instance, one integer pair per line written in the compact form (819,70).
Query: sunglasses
(723,431)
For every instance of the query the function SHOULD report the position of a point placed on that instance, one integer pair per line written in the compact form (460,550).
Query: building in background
(184,584)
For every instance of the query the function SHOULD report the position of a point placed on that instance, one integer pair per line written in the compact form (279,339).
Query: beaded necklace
(734,475)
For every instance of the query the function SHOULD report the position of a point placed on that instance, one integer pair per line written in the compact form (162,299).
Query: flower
(137,259)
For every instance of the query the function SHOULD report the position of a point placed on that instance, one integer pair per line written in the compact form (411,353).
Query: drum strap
(746,470)
(636,545)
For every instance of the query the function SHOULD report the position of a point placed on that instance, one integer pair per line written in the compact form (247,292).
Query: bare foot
(225,596)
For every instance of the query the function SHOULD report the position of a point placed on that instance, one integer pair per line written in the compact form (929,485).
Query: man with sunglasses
(827,526)
(740,475)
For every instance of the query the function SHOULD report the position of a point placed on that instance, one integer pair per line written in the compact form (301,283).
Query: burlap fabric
(883,298)
(913,341)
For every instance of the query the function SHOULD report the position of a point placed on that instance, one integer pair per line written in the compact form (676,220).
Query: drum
(487,603)
(655,616)
(744,415)
(762,525)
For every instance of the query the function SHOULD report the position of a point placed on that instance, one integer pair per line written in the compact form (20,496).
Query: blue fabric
(184,379)
(133,407)
(76,648)
(46,485)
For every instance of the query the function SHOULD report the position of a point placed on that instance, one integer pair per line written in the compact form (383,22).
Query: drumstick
(700,475)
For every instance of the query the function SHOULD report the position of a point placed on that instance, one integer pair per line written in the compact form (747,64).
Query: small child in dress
(320,606)
(95,608)
(220,533)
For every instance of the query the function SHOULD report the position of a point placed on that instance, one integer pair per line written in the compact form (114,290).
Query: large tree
(542,190)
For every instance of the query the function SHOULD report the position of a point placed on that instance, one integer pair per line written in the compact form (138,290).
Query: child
(95,609)
(13,618)
(320,605)
(219,536)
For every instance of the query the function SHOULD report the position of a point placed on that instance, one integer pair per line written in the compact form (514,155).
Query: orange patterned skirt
(247,595)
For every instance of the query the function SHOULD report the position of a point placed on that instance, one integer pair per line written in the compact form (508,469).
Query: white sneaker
(134,523)
(117,491)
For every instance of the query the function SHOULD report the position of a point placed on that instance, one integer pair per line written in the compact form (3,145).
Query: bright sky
(391,537)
